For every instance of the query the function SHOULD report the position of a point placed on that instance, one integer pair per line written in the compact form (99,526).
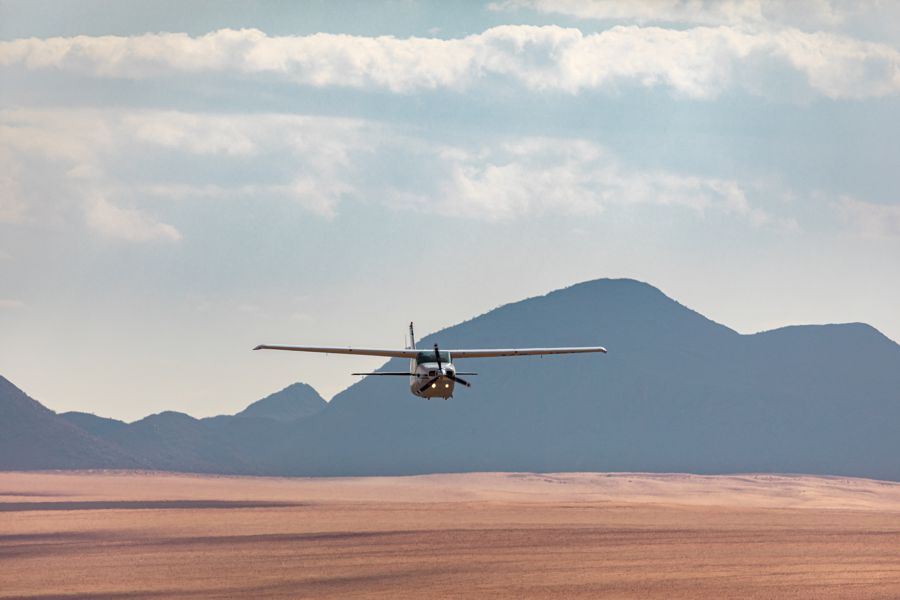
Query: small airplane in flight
(431,372)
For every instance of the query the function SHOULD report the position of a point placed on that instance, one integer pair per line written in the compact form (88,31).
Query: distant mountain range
(677,392)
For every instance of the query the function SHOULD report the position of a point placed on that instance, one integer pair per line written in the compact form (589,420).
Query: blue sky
(181,181)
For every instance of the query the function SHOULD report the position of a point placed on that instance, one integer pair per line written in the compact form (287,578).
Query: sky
(181,181)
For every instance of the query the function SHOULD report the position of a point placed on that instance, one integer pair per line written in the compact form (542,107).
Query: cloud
(197,134)
(60,165)
(869,219)
(53,173)
(319,197)
(44,156)
(699,63)
(9,304)
(540,176)
(12,205)
(797,13)
(304,159)
(156,159)
(328,161)
(127,223)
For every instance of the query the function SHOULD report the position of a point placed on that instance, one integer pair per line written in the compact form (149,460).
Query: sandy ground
(510,535)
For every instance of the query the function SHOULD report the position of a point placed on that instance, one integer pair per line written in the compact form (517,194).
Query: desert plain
(103,535)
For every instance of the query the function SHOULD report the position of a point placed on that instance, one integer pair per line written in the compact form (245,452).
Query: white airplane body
(431,372)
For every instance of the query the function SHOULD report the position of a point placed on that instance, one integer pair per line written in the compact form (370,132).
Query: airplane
(431,372)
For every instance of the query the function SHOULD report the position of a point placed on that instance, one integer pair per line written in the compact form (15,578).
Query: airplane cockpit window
(428,357)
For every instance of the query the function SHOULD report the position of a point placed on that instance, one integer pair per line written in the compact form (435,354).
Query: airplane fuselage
(422,373)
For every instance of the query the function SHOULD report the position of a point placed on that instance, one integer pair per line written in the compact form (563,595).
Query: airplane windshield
(429,357)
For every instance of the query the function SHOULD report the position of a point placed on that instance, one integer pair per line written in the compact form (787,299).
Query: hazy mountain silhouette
(34,437)
(102,427)
(271,417)
(296,401)
(176,441)
(677,392)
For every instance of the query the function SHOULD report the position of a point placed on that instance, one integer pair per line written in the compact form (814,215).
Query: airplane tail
(412,336)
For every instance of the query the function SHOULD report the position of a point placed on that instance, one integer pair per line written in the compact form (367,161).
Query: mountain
(173,441)
(34,437)
(296,401)
(170,441)
(101,427)
(677,392)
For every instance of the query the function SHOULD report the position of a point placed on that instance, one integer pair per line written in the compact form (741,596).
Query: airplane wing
(404,373)
(398,373)
(361,351)
(522,352)
(412,352)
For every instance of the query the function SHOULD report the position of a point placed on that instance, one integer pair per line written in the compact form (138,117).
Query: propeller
(459,380)
(430,382)
(449,374)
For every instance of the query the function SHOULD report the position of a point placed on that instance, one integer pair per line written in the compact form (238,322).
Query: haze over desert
(80,535)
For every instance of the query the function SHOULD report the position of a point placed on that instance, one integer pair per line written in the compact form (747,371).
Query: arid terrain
(155,535)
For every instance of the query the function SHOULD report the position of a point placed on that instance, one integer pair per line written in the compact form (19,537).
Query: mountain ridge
(34,437)
(677,392)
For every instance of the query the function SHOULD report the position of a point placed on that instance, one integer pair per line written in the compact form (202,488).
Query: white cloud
(320,163)
(12,206)
(127,223)
(198,134)
(500,180)
(12,209)
(64,164)
(869,219)
(539,176)
(64,136)
(797,13)
(319,197)
(43,155)
(55,171)
(315,152)
(9,304)
(699,62)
